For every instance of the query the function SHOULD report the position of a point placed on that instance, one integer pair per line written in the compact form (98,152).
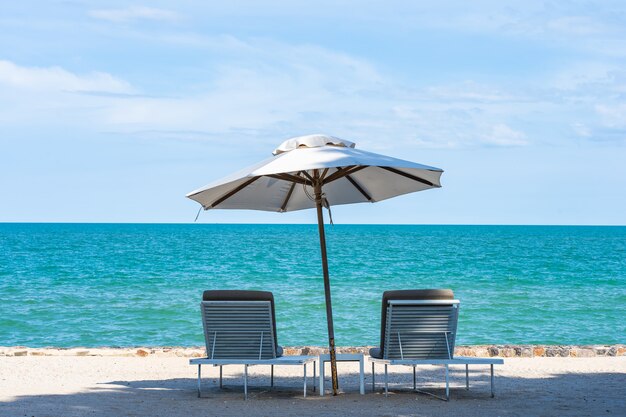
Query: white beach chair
(418,327)
(239,329)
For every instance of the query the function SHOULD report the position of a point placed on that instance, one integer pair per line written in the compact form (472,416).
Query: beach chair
(239,329)
(418,327)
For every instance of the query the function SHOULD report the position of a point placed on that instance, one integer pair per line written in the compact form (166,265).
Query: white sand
(164,386)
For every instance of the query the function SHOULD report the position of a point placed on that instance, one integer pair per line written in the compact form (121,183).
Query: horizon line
(315,224)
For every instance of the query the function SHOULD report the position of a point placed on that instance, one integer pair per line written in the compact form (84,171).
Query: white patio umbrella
(315,171)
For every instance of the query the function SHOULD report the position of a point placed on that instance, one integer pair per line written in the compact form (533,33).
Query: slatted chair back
(238,329)
(420,329)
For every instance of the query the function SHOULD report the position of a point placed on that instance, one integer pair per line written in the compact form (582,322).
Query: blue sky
(113,111)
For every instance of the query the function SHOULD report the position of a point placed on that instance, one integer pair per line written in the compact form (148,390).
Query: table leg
(466,376)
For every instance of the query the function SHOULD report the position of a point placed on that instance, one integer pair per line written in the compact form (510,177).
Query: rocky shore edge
(505,351)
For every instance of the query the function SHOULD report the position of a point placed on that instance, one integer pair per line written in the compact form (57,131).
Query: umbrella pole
(329,308)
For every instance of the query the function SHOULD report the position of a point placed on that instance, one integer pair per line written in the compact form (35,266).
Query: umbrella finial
(312,141)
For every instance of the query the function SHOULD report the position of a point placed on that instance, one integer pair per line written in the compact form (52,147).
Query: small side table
(344,357)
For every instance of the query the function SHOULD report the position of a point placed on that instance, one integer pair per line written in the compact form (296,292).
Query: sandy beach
(166,386)
(292,182)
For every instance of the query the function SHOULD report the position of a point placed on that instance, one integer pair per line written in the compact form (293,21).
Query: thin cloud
(58,79)
(134,13)
(612,116)
(267,89)
(503,135)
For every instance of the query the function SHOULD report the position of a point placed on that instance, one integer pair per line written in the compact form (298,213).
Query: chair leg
(314,381)
(373,378)
(361,376)
(322,378)
(304,380)
(414,379)
(447,384)
(220,376)
(386,382)
(466,376)
(199,378)
(493,392)
(245,382)
(272,377)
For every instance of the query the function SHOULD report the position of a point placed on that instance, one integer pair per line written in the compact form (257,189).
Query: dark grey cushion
(426,294)
(376,353)
(237,295)
(245,295)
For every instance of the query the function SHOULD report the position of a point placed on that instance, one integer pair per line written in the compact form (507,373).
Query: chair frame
(243,331)
(421,358)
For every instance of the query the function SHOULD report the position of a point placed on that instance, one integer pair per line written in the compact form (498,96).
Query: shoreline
(504,351)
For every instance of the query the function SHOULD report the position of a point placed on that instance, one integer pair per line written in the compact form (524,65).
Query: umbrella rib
(337,174)
(358,187)
(233,192)
(288,177)
(356,169)
(306,174)
(284,206)
(410,176)
(342,172)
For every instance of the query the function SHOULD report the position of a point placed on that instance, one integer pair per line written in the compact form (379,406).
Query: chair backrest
(239,324)
(419,324)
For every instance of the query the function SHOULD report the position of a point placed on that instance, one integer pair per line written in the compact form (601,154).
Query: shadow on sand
(596,394)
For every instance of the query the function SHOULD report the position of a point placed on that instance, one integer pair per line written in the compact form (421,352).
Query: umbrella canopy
(348,175)
(314,171)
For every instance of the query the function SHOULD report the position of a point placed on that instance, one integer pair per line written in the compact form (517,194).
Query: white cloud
(134,13)
(271,90)
(595,29)
(469,91)
(584,74)
(54,96)
(503,135)
(59,79)
(262,89)
(582,130)
(577,26)
(267,85)
(612,116)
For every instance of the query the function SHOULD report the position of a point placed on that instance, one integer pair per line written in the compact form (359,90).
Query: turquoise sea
(141,284)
